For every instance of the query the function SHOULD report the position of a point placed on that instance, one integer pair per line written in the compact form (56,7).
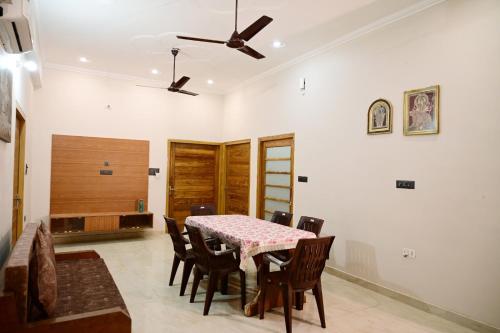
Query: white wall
(75,104)
(452,218)
(22,99)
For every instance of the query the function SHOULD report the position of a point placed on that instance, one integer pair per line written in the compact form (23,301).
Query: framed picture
(421,111)
(5,104)
(380,117)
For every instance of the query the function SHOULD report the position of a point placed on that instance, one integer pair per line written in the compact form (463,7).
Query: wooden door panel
(193,178)
(237,178)
(18,188)
(15,194)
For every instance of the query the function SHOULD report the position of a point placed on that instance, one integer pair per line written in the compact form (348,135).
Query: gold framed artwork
(5,104)
(421,111)
(380,117)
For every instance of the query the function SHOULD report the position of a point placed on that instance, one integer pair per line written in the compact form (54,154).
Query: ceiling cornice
(116,76)
(376,25)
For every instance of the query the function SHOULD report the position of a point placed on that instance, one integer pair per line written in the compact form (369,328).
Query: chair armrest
(211,240)
(77,255)
(268,258)
(225,252)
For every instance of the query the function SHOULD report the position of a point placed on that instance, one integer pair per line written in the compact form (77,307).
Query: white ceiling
(131,37)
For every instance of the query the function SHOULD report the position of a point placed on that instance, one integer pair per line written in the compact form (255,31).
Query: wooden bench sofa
(87,297)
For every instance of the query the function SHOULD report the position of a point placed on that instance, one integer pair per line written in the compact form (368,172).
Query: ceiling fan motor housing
(235,42)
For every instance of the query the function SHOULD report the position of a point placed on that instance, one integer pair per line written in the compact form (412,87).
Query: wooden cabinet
(74,226)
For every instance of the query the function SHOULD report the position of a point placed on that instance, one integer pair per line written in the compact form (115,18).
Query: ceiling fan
(237,40)
(176,86)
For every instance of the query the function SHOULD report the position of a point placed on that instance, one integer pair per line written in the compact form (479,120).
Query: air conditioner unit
(15,31)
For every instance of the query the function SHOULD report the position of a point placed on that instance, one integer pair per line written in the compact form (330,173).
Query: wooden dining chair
(205,210)
(215,264)
(311,224)
(202,210)
(282,218)
(180,254)
(306,223)
(302,272)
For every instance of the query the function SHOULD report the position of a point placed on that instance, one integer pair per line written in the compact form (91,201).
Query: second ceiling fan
(175,86)
(237,40)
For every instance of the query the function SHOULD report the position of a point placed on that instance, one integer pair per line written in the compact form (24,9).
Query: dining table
(253,237)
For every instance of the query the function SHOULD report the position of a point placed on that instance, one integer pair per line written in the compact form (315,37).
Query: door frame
(20,174)
(261,167)
(170,167)
(222,196)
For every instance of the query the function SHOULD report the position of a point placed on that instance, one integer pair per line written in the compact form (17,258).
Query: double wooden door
(208,173)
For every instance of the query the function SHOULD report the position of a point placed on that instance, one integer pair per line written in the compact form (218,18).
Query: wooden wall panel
(78,187)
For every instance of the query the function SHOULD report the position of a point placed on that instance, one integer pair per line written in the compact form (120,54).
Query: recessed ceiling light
(155,71)
(31,66)
(277,44)
(210,81)
(83,59)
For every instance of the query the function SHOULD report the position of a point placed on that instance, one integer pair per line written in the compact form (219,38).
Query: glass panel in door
(278,182)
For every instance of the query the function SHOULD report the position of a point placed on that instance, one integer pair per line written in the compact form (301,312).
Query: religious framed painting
(380,117)
(421,111)
(5,104)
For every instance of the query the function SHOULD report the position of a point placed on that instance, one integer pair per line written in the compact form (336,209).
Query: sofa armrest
(9,319)
(114,320)
(77,255)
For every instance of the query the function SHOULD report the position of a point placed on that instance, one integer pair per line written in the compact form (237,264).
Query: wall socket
(409,253)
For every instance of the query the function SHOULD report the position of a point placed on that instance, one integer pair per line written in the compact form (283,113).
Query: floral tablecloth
(251,235)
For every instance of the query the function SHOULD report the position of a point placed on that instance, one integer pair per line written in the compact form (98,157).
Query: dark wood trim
(113,320)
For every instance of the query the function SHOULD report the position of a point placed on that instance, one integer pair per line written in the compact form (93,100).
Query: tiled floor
(141,268)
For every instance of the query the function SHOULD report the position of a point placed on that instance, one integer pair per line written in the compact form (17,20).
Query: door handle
(17,201)
(171,189)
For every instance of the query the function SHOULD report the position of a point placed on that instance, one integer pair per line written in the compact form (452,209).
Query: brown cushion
(43,277)
(85,285)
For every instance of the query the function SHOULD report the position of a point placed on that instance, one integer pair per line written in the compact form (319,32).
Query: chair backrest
(202,210)
(200,248)
(282,218)
(308,261)
(175,234)
(311,224)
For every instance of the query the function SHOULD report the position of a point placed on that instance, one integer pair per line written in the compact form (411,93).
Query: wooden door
(18,188)
(275,179)
(236,177)
(193,177)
